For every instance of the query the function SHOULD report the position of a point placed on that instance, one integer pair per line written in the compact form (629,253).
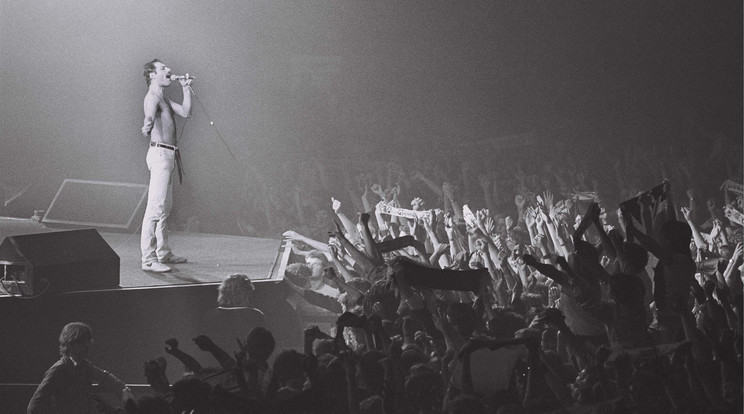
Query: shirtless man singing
(162,159)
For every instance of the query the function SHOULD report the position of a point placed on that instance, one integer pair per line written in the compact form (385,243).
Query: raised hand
(489,225)
(481,246)
(480,216)
(364,218)
(503,255)
(548,197)
(538,239)
(716,230)
(441,248)
(529,216)
(204,342)
(595,212)
(685,213)
(529,260)
(552,317)
(315,333)
(377,189)
(538,214)
(336,205)
(171,346)
(395,191)
(737,252)
(449,221)
(561,261)
(417,204)
(553,295)
(291,234)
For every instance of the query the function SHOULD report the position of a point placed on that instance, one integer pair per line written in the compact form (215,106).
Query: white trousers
(154,241)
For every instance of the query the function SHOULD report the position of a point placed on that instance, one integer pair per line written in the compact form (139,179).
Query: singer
(162,158)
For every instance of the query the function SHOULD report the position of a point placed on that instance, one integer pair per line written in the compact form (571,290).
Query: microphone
(179,77)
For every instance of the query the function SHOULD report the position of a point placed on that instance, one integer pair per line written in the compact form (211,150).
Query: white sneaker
(173,259)
(155,267)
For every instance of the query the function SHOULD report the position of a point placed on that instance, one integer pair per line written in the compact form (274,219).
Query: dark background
(282,80)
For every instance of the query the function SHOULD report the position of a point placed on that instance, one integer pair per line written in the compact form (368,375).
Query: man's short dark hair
(150,68)
(317,254)
(74,333)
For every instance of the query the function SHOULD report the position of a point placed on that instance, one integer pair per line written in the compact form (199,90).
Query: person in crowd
(68,385)
(235,314)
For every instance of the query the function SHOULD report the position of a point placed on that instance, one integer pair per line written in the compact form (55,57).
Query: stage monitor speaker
(61,261)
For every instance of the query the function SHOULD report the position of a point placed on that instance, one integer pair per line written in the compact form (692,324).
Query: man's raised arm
(183,109)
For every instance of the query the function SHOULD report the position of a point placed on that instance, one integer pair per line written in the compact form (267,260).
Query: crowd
(460,288)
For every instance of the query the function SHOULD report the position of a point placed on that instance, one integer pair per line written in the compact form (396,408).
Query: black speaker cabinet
(62,261)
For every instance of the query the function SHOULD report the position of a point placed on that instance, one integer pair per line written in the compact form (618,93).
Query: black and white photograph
(371,207)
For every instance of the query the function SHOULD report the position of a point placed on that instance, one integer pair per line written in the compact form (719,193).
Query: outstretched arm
(548,270)
(360,258)
(646,241)
(191,364)
(350,228)
(699,240)
(205,344)
(317,245)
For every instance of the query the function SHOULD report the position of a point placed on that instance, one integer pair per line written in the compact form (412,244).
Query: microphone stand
(209,118)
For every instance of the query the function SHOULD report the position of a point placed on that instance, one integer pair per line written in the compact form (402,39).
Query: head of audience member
(371,372)
(465,404)
(288,372)
(317,261)
(463,317)
(333,376)
(324,347)
(235,291)
(149,404)
(475,261)
(675,237)
(424,388)
(361,285)
(411,356)
(381,296)
(75,341)
(260,344)
(505,324)
(372,405)
(191,395)
(298,274)
(635,258)
(627,290)
(517,237)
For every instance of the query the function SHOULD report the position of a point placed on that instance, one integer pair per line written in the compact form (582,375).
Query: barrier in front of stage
(129,327)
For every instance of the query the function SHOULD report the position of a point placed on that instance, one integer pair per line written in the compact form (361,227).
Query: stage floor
(211,257)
